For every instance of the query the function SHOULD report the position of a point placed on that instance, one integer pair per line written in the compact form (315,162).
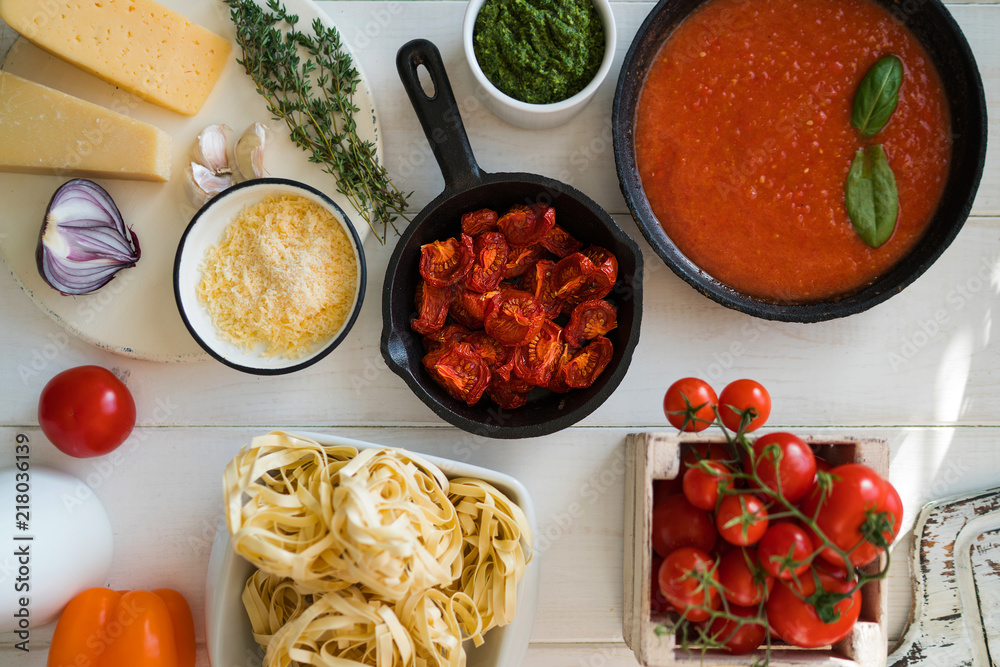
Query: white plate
(227,627)
(135,314)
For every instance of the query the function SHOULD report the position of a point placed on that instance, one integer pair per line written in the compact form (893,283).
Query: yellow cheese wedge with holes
(138,45)
(44,131)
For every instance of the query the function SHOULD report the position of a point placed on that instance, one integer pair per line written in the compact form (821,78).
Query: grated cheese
(285,275)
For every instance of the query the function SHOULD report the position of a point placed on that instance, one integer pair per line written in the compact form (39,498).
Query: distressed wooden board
(652,456)
(955,617)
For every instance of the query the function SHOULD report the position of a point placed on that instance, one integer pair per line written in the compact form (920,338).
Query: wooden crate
(651,456)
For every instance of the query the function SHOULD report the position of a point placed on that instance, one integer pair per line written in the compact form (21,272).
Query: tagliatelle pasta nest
(371,557)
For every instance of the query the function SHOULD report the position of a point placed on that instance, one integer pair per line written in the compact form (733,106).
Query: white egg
(65,549)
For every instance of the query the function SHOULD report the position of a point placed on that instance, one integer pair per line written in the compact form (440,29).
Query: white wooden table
(922,371)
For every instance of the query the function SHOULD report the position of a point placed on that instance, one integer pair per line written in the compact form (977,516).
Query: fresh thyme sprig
(314,97)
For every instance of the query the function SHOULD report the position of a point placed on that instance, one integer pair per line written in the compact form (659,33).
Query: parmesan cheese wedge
(139,45)
(44,131)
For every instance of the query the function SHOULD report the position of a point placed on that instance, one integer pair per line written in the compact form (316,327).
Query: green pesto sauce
(539,51)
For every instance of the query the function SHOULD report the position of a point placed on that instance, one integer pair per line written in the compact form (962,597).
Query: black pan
(468,188)
(934,26)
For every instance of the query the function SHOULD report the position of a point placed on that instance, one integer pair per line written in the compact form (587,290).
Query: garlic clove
(211,149)
(201,184)
(249,153)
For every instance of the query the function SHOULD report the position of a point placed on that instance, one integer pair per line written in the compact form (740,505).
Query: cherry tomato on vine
(657,601)
(701,486)
(786,458)
(677,523)
(741,519)
(857,502)
(86,411)
(693,393)
(798,622)
(783,550)
(743,581)
(738,638)
(743,395)
(681,579)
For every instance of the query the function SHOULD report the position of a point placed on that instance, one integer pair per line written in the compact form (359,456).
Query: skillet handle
(439,115)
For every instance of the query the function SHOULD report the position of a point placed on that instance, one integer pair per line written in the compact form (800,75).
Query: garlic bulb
(202,184)
(249,153)
(212,149)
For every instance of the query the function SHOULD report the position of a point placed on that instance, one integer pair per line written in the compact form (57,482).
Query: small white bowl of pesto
(540,62)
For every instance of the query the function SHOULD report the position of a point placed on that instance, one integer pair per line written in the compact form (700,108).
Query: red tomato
(657,601)
(783,550)
(796,620)
(786,458)
(741,396)
(589,320)
(739,638)
(741,519)
(701,486)
(513,317)
(458,369)
(680,583)
(677,523)
(690,404)
(743,582)
(444,263)
(86,411)
(856,492)
(478,222)
(560,243)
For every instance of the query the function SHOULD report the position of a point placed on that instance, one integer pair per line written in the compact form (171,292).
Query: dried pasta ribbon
(271,602)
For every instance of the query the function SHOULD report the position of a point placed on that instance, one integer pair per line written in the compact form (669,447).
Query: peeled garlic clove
(201,184)
(249,154)
(211,150)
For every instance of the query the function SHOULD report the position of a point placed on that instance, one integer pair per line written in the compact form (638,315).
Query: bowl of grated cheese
(269,276)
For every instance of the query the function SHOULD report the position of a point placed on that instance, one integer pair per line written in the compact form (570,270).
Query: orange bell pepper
(105,628)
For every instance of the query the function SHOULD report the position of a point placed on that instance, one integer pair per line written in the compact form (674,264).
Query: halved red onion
(84,242)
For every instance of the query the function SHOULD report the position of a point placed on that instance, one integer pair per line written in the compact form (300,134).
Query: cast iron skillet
(934,26)
(467,188)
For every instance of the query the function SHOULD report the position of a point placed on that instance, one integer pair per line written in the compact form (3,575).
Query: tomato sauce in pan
(744,140)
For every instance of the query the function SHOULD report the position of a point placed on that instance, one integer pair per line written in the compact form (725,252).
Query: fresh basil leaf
(886,195)
(860,198)
(871,196)
(877,96)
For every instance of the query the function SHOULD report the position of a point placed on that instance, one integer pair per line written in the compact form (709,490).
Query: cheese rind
(139,45)
(44,131)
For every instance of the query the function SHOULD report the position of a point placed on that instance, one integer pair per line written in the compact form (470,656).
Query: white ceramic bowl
(539,116)
(205,230)
(227,628)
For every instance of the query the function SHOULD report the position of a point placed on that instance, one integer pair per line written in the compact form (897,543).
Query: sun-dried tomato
(536,360)
(449,333)
(560,243)
(538,281)
(521,259)
(468,308)
(558,382)
(498,358)
(527,225)
(577,279)
(588,364)
(479,222)
(605,261)
(589,320)
(458,369)
(444,263)
(514,317)
(490,252)
(506,395)
(432,308)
